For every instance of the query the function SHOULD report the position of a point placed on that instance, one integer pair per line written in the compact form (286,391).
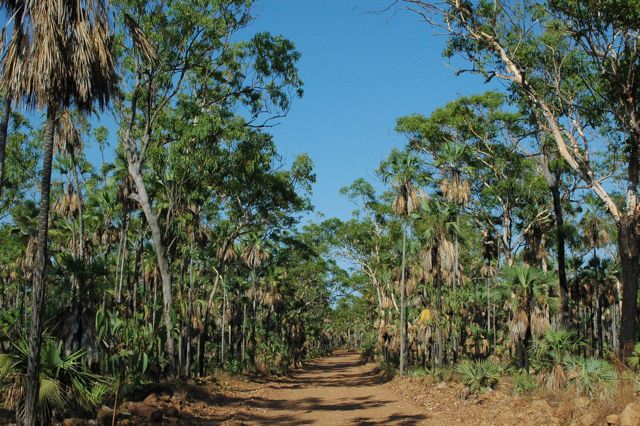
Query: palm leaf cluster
(64,381)
(60,52)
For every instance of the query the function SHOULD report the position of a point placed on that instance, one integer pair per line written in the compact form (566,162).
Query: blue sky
(361,71)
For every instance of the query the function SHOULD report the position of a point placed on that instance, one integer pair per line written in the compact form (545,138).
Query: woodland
(502,241)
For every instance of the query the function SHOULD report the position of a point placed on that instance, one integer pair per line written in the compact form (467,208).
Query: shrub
(417,372)
(479,376)
(548,357)
(524,383)
(634,359)
(273,357)
(233,366)
(64,383)
(388,368)
(553,348)
(369,348)
(591,377)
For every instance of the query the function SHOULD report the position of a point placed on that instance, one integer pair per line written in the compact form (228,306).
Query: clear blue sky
(361,71)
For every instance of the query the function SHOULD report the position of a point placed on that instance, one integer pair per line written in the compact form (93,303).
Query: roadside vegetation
(151,232)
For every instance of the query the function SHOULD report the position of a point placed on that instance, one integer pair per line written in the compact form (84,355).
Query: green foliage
(233,366)
(470,192)
(389,369)
(592,377)
(417,372)
(553,348)
(634,359)
(130,347)
(273,357)
(64,382)
(524,383)
(479,376)
(369,348)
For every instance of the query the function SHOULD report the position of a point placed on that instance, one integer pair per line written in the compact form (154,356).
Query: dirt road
(337,390)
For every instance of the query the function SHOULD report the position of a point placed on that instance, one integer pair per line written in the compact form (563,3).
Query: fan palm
(452,160)
(439,228)
(595,235)
(254,255)
(62,57)
(528,294)
(402,170)
(64,383)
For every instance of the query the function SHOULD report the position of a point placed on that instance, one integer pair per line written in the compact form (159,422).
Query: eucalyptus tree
(571,63)
(364,239)
(368,243)
(197,65)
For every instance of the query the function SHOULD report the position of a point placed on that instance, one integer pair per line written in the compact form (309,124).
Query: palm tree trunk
(162,259)
(205,326)
(560,249)
(614,324)
(35,336)
(402,301)
(222,322)
(4,130)
(488,307)
(253,322)
(599,324)
(244,328)
(454,331)
(189,317)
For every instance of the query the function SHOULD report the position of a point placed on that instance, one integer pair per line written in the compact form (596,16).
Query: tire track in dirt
(336,390)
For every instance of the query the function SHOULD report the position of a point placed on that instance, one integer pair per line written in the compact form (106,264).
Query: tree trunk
(154,279)
(454,330)
(402,301)
(163,262)
(205,325)
(253,323)
(525,344)
(189,317)
(560,249)
(222,322)
(599,323)
(628,249)
(553,180)
(614,324)
(244,328)
(506,236)
(488,307)
(35,336)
